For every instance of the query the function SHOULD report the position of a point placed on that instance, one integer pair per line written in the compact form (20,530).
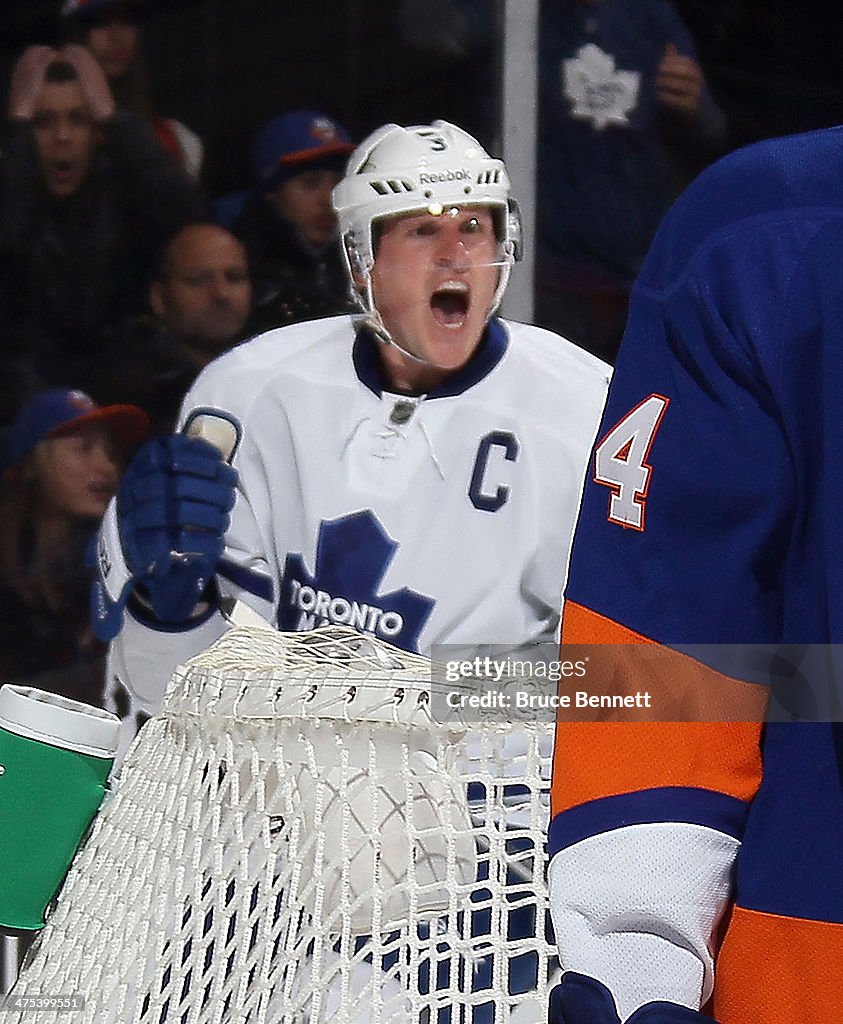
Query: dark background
(226,66)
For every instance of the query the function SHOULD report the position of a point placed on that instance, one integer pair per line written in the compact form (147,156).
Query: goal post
(294,839)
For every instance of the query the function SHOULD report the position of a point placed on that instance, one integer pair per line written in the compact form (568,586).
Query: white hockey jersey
(440,519)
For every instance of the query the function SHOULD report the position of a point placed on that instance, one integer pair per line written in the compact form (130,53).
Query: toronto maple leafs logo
(597,90)
(353,554)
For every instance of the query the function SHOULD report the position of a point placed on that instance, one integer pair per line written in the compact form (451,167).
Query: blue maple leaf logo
(353,554)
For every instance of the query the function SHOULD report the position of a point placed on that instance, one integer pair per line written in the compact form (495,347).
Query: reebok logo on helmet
(449,175)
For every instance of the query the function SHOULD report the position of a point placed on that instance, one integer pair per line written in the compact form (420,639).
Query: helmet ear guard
(512,235)
(359,270)
(357,265)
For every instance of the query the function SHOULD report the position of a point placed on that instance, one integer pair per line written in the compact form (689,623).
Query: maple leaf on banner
(597,90)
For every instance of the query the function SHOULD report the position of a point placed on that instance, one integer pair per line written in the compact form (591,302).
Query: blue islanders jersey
(701,862)
(437,519)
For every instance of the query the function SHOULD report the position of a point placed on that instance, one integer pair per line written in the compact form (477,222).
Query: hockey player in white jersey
(414,471)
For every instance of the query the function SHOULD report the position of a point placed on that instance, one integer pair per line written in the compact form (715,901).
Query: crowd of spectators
(87,198)
(120,279)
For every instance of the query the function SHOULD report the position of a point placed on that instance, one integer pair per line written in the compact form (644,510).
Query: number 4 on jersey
(620,461)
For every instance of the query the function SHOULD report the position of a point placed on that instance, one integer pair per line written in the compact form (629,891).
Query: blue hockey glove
(583,1000)
(166,532)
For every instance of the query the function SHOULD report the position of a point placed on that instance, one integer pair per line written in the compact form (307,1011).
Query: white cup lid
(59,721)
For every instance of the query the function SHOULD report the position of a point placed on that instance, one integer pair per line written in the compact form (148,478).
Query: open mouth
(450,303)
(62,169)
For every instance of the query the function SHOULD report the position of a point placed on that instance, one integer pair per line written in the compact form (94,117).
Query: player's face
(205,294)
(65,137)
(78,473)
(305,201)
(433,283)
(115,44)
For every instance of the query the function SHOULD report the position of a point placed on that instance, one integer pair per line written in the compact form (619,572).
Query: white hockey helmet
(421,168)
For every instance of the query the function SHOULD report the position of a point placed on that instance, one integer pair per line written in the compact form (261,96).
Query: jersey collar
(490,351)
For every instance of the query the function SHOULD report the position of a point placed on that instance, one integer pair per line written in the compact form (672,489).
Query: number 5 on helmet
(163,535)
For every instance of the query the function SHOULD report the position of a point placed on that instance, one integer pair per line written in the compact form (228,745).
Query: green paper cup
(55,756)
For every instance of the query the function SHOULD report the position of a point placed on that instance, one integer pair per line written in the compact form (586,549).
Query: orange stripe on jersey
(681,688)
(779,970)
(593,760)
(582,626)
(704,730)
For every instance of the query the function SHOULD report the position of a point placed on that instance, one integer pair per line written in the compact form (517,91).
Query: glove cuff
(113,580)
(581,999)
(667,1013)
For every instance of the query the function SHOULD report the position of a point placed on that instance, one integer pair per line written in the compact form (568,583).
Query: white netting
(295,840)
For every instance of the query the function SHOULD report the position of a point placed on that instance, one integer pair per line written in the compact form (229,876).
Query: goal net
(295,839)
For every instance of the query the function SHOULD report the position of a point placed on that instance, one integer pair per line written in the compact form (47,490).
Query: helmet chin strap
(372,319)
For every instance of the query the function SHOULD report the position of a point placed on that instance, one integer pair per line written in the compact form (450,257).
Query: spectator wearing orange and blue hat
(63,460)
(288,225)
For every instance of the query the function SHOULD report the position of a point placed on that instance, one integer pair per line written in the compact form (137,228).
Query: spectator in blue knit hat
(288,224)
(64,456)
